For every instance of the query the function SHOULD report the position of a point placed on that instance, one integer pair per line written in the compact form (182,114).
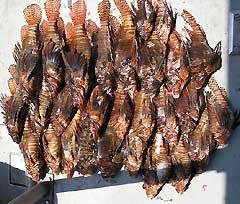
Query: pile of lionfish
(128,93)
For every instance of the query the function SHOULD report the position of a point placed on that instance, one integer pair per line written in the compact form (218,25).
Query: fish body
(26,74)
(104,69)
(182,167)
(30,146)
(140,131)
(62,112)
(177,70)
(166,119)
(125,73)
(52,149)
(224,111)
(69,145)
(110,143)
(201,143)
(86,135)
(144,18)
(51,85)
(221,116)
(76,75)
(188,108)
(157,166)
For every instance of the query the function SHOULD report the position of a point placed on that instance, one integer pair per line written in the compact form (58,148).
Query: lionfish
(26,74)
(52,31)
(191,102)
(182,166)
(101,98)
(140,131)
(53,81)
(201,143)
(151,56)
(221,115)
(157,166)
(124,75)
(31,147)
(24,87)
(177,69)
(78,138)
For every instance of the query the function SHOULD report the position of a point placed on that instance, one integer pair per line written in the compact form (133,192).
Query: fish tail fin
(52,9)
(104,10)
(33,14)
(78,12)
